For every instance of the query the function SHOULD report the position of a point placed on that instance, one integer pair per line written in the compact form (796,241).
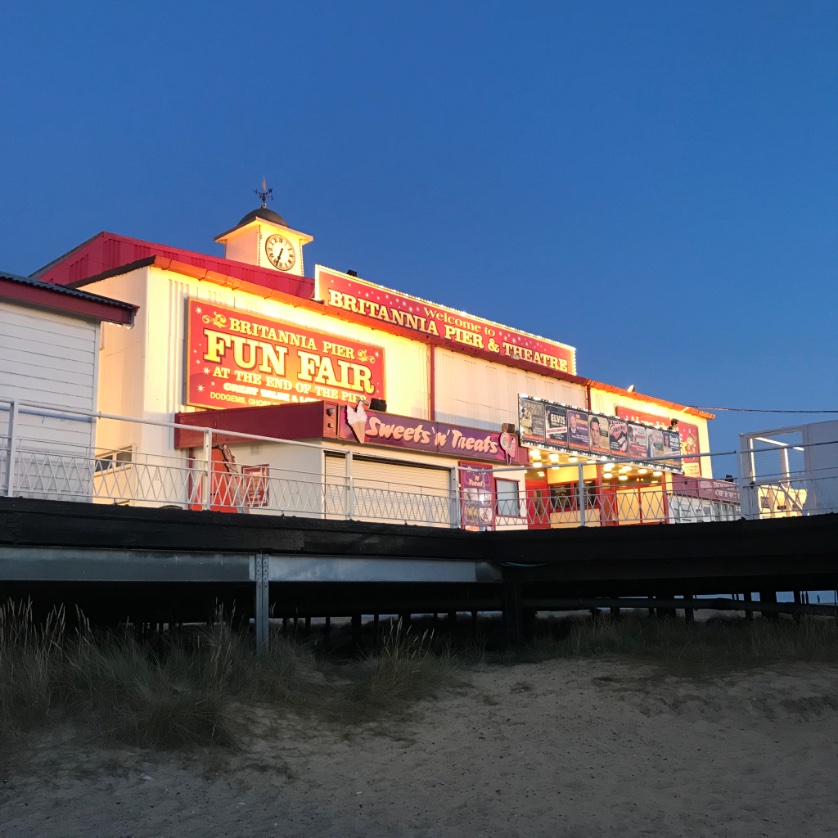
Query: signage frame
(458,330)
(307,365)
(621,435)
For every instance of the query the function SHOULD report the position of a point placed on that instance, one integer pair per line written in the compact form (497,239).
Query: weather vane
(264,194)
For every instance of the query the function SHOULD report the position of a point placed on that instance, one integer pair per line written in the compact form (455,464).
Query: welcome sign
(235,359)
(450,327)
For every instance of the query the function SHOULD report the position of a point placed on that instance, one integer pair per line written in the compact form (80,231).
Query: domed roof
(265,214)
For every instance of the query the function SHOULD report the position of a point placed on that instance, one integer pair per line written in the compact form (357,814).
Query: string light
(755,410)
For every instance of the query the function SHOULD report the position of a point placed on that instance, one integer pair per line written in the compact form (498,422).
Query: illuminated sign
(450,327)
(701,487)
(235,359)
(370,428)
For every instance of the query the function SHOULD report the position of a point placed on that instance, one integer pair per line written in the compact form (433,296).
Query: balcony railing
(37,460)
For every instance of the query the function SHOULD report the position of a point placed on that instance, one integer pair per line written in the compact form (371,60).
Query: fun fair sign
(452,328)
(235,359)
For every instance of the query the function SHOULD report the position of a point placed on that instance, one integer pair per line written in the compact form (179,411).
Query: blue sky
(655,183)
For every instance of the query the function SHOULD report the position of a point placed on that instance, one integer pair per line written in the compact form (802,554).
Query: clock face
(280,252)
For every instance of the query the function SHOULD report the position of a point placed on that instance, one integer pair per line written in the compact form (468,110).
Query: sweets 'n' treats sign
(235,359)
(371,428)
(388,308)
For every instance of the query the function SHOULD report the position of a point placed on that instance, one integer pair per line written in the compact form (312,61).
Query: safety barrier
(60,454)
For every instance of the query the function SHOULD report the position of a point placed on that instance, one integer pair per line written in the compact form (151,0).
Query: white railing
(40,462)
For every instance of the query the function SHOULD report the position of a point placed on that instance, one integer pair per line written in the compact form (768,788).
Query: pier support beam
(768,596)
(689,610)
(513,613)
(261,613)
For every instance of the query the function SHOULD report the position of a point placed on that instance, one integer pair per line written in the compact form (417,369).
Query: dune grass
(404,667)
(189,689)
(680,648)
(195,688)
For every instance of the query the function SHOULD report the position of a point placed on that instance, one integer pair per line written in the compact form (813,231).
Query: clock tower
(264,238)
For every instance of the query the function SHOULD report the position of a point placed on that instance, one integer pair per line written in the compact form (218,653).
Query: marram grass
(195,688)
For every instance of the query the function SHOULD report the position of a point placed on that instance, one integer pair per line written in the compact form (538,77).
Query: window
(113,459)
(564,497)
(508,502)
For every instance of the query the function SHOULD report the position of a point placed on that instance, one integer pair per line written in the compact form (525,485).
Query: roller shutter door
(388,490)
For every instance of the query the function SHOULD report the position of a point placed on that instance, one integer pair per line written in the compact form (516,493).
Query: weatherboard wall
(478,393)
(48,359)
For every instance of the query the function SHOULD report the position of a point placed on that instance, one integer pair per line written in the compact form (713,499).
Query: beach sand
(560,748)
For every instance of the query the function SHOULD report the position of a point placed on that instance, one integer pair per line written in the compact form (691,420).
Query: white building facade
(368,387)
(49,346)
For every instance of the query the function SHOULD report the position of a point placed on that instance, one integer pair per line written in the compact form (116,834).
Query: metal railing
(50,453)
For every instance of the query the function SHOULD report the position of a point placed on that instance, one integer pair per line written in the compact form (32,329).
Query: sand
(561,748)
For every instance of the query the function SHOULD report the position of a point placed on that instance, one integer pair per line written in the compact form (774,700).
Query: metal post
(208,461)
(350,487)
(261,576)
(581,495)
(13,443)
(784,459)
(748,501)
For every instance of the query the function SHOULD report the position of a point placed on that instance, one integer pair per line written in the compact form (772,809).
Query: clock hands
(280,252)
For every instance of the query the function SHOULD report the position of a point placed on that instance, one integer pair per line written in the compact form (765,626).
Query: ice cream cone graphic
(356,418)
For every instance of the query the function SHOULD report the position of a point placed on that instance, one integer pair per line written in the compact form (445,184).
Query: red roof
(107,254)
(34,292)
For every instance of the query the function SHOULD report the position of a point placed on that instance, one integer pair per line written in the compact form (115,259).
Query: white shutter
(387,490)
(390,491)
(336,494)
(399,476)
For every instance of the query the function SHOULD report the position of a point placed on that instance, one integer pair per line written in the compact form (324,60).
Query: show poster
(627,436)
(578,435)
(690,444)
(235,359)
(672,445)
(531,420)
(618,438)
(598,427)
(656,449)
(476,486)
(256,485)
(556,421)
(637,444)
